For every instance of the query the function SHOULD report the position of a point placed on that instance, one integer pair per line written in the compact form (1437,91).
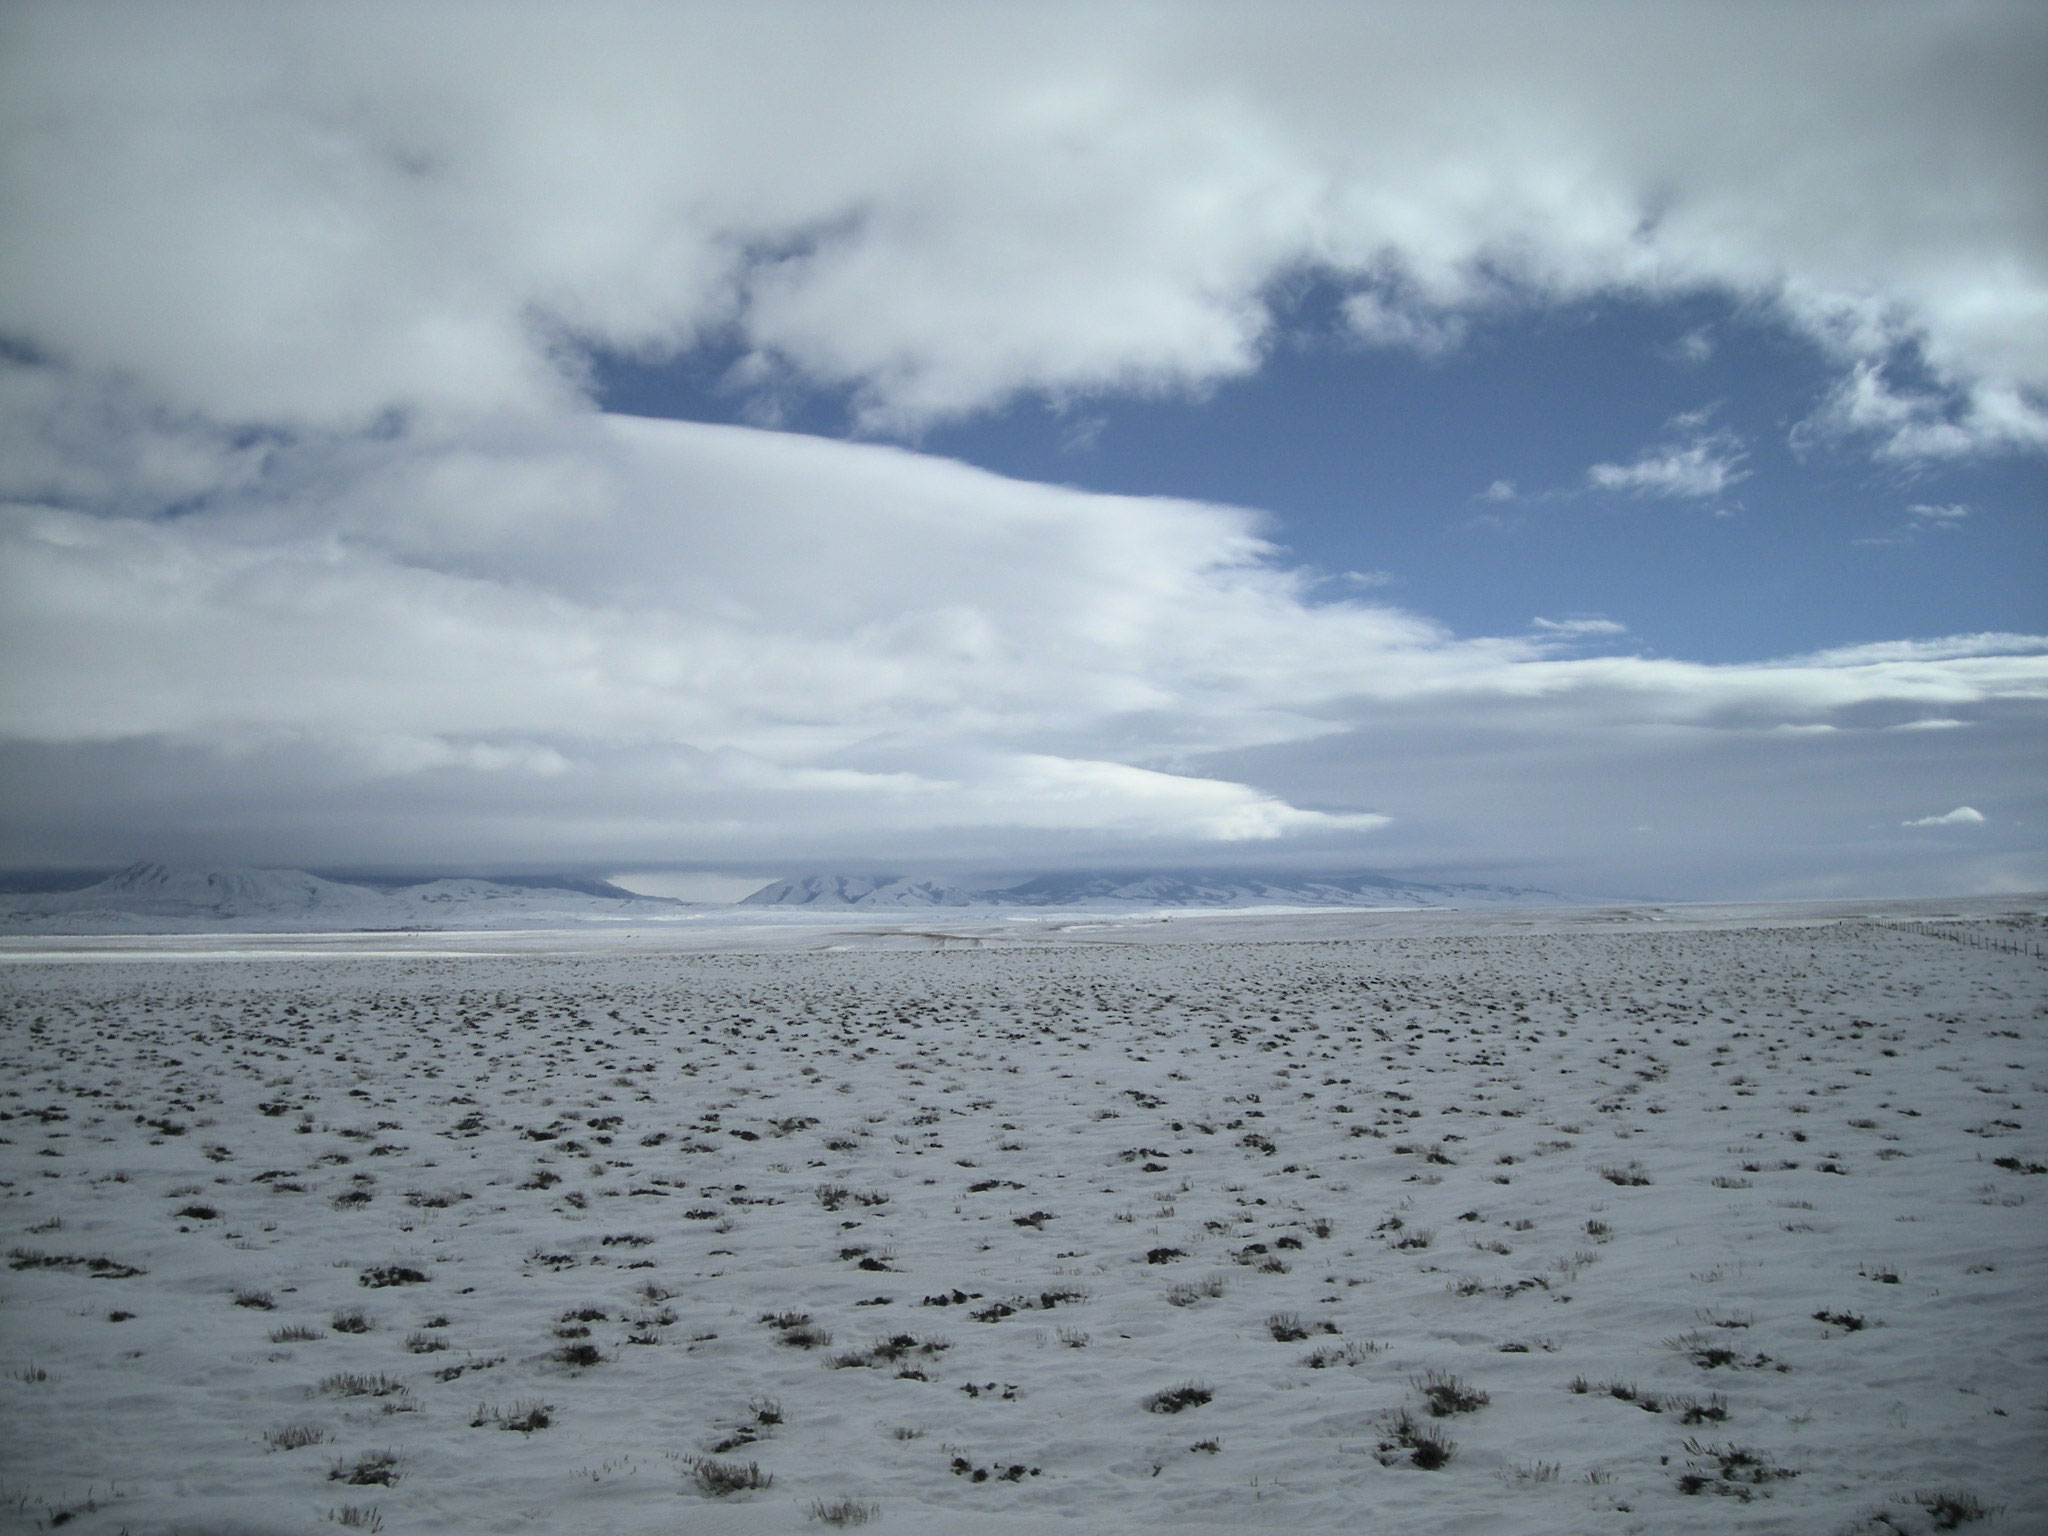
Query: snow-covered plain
(1708,1220)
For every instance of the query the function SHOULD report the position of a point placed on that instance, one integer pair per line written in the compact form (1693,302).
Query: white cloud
(314,536)
(1379,323)
(1575,628)
(1961,816)
(1696,346)
(1930,424)
(1924,515)
(322,214)
(1948,648)
(1699,467)
(647,641)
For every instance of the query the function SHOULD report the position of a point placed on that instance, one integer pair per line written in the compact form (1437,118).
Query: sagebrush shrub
(1189,1394)
(1447,1394)
(719,1478)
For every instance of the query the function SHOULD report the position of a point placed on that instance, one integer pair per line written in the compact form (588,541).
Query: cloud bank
(623,639)
(937,207)
(316,549)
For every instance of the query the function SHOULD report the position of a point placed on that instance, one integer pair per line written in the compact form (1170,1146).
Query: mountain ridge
(151,897)
(1188,888)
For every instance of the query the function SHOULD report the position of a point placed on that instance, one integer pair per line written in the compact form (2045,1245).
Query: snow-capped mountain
(144,892)
(1137,889)
(160,898)
(869,891)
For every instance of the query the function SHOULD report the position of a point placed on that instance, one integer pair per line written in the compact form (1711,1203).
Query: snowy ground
(1709,1221)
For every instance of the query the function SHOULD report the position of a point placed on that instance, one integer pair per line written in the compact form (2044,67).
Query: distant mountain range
(161,898)
(1137,889)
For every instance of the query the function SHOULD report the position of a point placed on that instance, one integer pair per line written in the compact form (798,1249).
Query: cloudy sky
(1597,445)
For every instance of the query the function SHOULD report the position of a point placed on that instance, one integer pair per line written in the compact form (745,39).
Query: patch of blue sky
(1652,463)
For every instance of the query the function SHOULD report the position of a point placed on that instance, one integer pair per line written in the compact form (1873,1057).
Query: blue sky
(1379,463)
(1597,445)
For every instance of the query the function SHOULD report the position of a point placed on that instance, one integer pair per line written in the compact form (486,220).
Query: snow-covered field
(1724,1222)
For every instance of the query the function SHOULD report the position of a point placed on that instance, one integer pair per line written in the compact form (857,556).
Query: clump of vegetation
(795,1330)
(1946,1509)
(436,1200)
(1188,1292)
(527,1415)
(719,1478)
(1015,1472)
(844,1512)
(390,1274)
(294,1436)
(1735,1471)
(293,1333)
(1620,1391)
(1709,1354)
(1630,1174)
(890,1349)
(1189,1394)
(1447,1395)
(1692,1411)
(1421,1445)
(1327,1355)
(371,1469)
(100,1267)
(524,1416)
(358,1384)
(351,1320)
